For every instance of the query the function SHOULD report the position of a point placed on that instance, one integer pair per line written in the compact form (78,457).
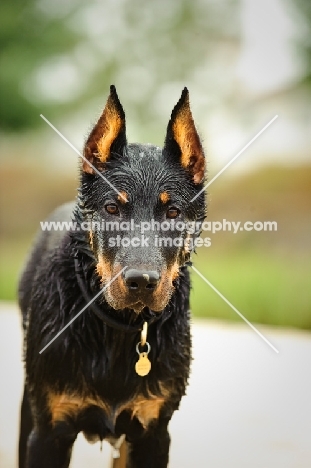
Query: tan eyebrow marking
(123,197)
(164,197)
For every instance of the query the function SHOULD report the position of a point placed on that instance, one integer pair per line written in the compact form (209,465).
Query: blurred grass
(13,254)
(265,288)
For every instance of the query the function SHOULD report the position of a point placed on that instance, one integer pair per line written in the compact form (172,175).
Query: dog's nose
(141,280)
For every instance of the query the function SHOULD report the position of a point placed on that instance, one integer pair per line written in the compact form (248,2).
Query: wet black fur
(91,357)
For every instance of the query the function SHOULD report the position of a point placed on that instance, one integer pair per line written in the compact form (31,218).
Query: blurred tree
(303,7)
(27,38)
(63,54)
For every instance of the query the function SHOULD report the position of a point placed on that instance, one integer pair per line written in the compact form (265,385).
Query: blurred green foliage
(303,10)
(264,287)
(27,38)
(59,55)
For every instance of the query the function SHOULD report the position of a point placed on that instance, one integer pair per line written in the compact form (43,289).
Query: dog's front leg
(152,449)
(26,425)
(50,448)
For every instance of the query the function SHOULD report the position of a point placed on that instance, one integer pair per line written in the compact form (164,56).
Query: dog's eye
(112,209)
(172,212)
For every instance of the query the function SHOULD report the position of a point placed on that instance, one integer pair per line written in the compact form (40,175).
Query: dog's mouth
(156,304)
(119,298)
(138,307)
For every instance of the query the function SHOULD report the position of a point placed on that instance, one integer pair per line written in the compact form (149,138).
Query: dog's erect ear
(107,136)
(182,139)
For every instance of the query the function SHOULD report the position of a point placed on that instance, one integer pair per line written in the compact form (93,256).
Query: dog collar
(107,319)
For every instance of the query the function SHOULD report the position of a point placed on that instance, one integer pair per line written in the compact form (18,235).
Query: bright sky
(268,62)
(267,58)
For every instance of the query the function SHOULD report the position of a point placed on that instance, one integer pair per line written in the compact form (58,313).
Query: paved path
(247,407)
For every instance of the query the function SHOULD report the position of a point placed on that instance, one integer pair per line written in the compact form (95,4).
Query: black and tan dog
(88,378)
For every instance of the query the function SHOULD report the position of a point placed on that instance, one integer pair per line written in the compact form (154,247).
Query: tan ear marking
(110,128)
(185,135)
(188,140)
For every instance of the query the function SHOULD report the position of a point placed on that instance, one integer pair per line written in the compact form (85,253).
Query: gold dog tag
(143,365)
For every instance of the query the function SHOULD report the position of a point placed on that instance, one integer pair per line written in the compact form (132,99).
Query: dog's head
(137,200)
